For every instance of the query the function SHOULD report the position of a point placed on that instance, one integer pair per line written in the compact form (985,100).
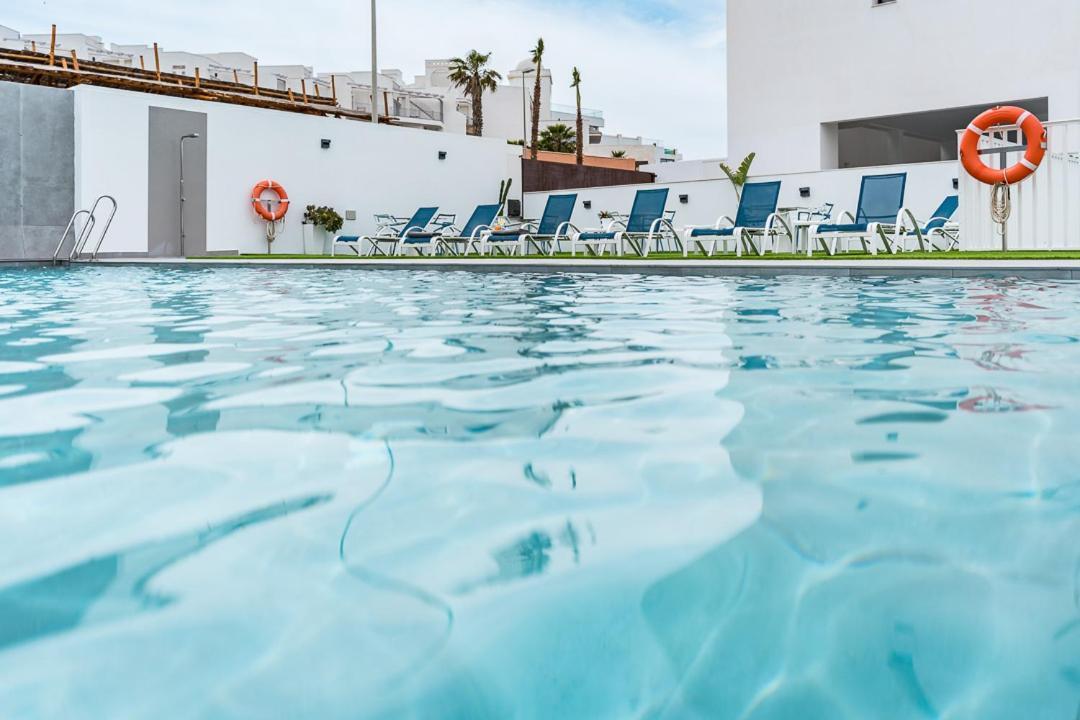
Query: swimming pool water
(334,494)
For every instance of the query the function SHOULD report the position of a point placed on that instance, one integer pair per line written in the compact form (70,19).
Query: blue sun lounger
(553,227)
(453,239)
(939,225)
(756,217)
(386,234)
(879,215)
(646,225)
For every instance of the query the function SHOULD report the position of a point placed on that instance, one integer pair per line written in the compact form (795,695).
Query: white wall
(795,64)
(685,170)
(368,169)
(928,184)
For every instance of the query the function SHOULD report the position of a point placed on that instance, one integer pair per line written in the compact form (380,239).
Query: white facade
(183,63)
(10,39)
(86,47)
(645,151)
(798,70)
(368,169)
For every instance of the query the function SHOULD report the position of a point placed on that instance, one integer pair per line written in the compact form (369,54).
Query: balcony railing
(572,110)
(410,106)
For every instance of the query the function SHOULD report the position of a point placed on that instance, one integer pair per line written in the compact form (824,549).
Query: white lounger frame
(640,243)
(775,226)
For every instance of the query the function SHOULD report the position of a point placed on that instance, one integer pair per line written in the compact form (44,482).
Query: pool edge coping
(1029,269)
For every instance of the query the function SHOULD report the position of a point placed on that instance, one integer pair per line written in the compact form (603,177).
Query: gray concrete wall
(37,169)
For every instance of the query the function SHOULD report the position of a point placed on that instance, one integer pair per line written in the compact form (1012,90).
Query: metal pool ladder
(83,236)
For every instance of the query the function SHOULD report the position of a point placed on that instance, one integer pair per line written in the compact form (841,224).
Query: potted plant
(322,220)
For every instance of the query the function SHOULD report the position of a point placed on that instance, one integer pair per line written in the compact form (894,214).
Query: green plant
(618,153)
(605,214)
(519,143)
(537,60)
(576,84)
(739,177)
(473,75)
(504,191)
(558,138)
(325,217)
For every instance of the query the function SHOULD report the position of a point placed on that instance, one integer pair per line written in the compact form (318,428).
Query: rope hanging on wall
(1001,206)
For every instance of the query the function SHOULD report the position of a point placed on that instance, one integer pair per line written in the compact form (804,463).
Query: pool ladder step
(82,236)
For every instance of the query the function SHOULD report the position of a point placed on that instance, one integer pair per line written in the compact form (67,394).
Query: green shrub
(325,217)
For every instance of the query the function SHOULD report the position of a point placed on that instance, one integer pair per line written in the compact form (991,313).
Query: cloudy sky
(656,67)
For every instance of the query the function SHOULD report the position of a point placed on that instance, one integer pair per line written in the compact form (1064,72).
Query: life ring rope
(1034,135)
(261,209)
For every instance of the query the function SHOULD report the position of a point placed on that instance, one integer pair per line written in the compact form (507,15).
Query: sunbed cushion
(843,228)
(506,235)
(417,236)
(712,232)
(347,239)
(587,236)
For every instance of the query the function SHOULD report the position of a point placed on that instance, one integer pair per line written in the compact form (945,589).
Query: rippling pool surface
(339,494)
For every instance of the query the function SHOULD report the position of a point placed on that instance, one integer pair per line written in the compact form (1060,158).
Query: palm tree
(576,84)
(537,59)
(557,138)
(473,75)
(618,153)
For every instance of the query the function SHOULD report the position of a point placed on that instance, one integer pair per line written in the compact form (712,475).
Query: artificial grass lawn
(988,255)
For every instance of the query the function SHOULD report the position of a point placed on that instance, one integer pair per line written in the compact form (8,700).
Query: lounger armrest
(612,226)
(779,219)
(845,215)
(410,231)
(659,224)
(724,219)
(563,230)
(478,232)
(903,217)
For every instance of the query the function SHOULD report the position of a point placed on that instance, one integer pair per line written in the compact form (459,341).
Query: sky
(655,67)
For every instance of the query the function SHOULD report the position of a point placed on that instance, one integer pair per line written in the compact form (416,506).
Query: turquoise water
(332,494)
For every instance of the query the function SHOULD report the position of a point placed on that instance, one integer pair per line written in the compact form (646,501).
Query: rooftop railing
(572,110)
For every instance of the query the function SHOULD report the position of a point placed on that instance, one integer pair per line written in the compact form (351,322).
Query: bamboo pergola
(45,68)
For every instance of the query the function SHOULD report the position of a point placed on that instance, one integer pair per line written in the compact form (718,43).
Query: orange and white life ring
(1034,134)
(262,209)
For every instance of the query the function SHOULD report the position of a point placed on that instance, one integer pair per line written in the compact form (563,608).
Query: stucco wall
(795,64)
(367,169)
(36,169)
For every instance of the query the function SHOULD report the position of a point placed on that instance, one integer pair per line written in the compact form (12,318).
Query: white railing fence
(1045,207)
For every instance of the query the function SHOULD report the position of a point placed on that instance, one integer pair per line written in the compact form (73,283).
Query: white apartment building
(855,83)
(86,47)
(10,39)
(181,62)
(644,150)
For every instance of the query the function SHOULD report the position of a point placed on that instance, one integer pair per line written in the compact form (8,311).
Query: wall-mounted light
(442,154)
(804,192)
(325,142)
(956,183)
(587,204)
(684,199)
(350,214)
